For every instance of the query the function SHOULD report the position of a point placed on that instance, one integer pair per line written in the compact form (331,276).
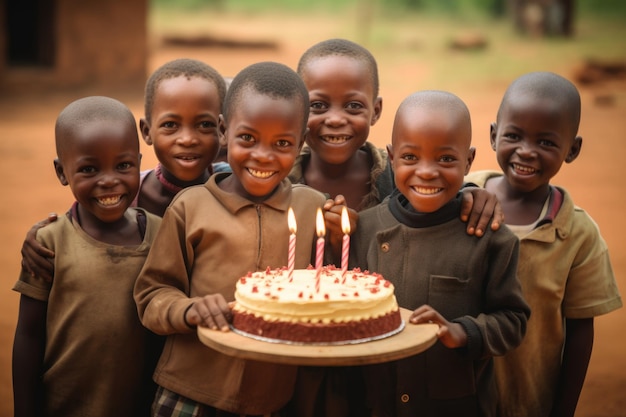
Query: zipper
(259,240)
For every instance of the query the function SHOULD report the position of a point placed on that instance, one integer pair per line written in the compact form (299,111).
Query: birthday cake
(307,308)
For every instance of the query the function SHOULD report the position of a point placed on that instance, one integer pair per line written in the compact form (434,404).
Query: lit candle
(319,251)
(291,262)
(345,247)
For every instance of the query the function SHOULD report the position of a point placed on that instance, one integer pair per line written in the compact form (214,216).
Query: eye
(168,125)
(88,169)
(207,125)
(546,143)
(318,106)
(354,106)
(283,143)
(247,138)
(511,136)
(123,166)
(408,157)
(447,158)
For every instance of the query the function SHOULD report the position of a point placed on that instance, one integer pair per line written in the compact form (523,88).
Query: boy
(466,285)
(565,269)
(79,346)
(214,234)
(342,79)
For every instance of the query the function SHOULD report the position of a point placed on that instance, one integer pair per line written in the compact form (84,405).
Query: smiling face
(101,165)
(431,154)
(264,135)
(183,127)
(342,106)
(532,139)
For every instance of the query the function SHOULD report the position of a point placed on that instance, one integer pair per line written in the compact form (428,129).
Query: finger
(221,314)
(340,200)
(474,220)
(467,202)
(498,217)
(486,216)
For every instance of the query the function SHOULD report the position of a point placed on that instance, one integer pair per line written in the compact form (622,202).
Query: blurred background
(54,51)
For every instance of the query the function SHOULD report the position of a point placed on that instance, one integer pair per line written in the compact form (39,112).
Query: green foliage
(458,8)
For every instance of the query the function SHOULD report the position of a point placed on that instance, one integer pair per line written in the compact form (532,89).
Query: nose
(426,170)
(263,153)
(525,150)
(187,137)
(334,117)
(108,180)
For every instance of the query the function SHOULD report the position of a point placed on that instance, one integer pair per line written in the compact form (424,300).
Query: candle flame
(321,227)
(345,221)
(291,220)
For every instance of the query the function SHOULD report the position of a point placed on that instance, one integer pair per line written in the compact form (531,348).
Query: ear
(390,153)
(58,169)
(471,154)
(221,131)
(144,128)
(493,130)
(574,150)
(378,109)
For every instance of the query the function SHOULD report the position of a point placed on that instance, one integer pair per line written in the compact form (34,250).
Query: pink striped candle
(319,250)
(345,247)
(293,228)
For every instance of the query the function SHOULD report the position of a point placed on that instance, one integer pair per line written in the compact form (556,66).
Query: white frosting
(274,297)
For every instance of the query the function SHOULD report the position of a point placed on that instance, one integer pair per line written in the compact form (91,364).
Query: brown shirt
(210,238)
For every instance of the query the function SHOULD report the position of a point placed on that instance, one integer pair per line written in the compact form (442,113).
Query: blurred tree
(543,17)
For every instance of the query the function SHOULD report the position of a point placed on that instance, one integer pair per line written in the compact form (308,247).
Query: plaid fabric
(169,404)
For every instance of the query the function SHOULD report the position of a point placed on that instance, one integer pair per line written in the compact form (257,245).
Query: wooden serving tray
(413,339)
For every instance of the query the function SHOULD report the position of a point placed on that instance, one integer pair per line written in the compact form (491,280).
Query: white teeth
(525,170)
(428,191)
(336,139)
(110,201)
(260,174)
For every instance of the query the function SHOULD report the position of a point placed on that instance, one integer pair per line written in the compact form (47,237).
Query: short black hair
(272,79)
(548,85)
(342,47)
(437,100)
(183,67)
(88,110)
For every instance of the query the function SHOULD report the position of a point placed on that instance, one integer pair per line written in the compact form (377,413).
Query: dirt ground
(32,190)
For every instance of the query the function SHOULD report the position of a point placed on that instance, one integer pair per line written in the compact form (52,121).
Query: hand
(36,259)
(332,220)
(452,335)
(478,208)
(211,311)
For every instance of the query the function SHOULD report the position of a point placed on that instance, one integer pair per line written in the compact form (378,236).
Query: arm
(36,259)
(28,353)
(576,354)
(478,209)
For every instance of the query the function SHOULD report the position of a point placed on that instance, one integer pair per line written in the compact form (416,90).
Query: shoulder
(376,218)
(572,220)
(480,178)
(302,192)
(56,228)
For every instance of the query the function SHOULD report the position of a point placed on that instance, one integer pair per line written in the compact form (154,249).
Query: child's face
(183,126)
(264,135)
(532,139)
(102,168)
(343,106)
(430,156)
